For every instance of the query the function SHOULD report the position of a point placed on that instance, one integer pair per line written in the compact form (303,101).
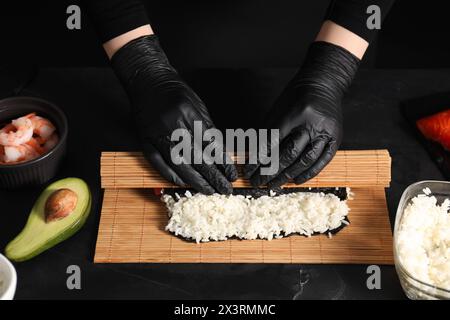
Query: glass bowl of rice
(422,240)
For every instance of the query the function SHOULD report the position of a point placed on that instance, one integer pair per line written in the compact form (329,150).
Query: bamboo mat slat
(365,168)
(132,231)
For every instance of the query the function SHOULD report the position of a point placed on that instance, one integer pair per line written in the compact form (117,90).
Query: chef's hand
(309,116)
(163,102)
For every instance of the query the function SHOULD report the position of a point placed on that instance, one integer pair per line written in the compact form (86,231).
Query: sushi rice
(423,240)
(219,217)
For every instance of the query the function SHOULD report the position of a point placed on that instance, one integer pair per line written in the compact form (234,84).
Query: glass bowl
(414,288)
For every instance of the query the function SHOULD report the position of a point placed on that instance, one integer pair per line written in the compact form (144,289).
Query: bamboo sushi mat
(133,220)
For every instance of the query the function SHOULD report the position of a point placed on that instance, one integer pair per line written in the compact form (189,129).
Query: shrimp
(36,145)
(51,142)
(41,127)
(8,128)
(2,154)
(14,154)
(20,131)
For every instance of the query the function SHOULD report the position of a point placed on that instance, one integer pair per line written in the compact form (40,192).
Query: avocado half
(39,235)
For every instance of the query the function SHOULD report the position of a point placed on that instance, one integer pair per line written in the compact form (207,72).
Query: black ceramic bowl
(40,170)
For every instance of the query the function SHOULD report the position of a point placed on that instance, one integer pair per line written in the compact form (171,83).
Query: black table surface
(99,118)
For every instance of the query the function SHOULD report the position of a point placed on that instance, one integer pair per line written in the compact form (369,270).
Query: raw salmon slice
(436,128)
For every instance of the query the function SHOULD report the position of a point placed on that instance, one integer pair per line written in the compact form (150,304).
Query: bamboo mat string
(290,248)
(231,251)
(378,168)
(142,230)
(113,227)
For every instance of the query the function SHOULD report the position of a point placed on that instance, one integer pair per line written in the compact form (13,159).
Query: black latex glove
(163,102)
(309,116)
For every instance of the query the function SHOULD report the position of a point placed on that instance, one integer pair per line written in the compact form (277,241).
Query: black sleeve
(112,18)
(352,15)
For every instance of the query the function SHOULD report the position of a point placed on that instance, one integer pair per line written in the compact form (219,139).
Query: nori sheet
(341,193)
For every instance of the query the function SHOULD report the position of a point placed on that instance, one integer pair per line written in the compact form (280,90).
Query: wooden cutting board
(133,220)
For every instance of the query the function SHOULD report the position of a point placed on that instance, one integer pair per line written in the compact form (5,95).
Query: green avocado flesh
(37,235)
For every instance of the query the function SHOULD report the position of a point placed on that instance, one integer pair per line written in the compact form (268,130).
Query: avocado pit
(60,204)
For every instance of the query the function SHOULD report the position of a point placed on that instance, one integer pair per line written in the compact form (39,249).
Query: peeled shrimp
(2,154)
(20,131)
(51,142)
(26,138)
(14,154)
(36,145)
(41,126)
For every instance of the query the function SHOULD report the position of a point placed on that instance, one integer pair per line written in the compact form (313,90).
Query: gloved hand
(163,102)
(309,116)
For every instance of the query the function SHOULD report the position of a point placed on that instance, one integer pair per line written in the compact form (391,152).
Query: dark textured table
(99,119)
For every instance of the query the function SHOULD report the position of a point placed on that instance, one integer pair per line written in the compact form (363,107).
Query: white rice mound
(423,240)
(219,217)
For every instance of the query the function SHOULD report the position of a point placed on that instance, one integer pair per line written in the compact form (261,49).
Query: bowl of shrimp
(33,135)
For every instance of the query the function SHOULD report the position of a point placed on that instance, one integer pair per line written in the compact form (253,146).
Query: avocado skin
(70,231)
